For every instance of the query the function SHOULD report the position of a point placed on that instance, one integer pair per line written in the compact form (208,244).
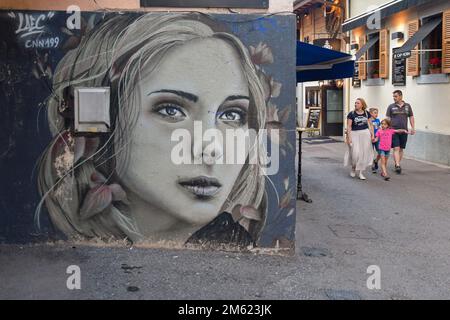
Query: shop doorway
(333,111)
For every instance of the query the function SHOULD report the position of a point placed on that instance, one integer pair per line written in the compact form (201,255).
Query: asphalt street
(401,226)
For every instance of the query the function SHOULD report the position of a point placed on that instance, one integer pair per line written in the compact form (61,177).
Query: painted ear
(97,199)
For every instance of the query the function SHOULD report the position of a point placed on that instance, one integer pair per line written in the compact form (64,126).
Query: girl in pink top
(384,136)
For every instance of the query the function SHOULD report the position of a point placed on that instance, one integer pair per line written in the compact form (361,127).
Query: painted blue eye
(171,111)
(231,116)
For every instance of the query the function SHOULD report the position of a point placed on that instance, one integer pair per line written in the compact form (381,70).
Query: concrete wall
(430,102)
(358,7)
(124,184)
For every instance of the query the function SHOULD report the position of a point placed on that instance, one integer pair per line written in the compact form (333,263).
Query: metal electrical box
(92,110)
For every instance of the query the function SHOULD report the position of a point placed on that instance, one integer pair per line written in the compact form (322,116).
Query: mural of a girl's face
(201,80)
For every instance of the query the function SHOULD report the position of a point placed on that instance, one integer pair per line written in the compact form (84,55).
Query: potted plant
(435,65)
(374,73)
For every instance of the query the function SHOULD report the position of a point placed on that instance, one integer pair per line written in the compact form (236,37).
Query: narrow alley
(400,226)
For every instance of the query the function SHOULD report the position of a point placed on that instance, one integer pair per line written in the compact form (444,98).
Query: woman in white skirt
(360,135)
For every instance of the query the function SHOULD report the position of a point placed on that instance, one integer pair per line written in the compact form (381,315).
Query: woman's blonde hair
(113,55)
(363,103)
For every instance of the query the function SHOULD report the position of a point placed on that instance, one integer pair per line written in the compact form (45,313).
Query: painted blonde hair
(113,55)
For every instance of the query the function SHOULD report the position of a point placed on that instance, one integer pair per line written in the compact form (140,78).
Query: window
(373,55)
(313,97)
(431,50)
(431,53)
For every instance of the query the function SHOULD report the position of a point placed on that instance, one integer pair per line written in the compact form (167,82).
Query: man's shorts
(399,140)
(384,153)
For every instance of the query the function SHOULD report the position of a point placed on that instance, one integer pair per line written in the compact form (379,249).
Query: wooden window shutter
(414,61)
(362,66)
(384,54)
(446,42)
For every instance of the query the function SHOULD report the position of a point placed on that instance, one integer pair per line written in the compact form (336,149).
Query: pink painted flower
(101,196)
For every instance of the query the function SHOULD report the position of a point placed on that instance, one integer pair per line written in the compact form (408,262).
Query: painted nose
(212,153)
(208,151)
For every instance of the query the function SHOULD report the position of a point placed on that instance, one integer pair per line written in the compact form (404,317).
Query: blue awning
(316,63)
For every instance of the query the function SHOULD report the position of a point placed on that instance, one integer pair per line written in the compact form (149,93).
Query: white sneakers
(360,176)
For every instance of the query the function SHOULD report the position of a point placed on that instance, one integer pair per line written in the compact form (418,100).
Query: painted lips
(202,187)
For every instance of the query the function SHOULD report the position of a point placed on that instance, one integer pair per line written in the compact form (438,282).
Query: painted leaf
(290,213)
(98,178)
(275,88)
(35,73)
(286,183)
(66,31)
(236,212)
(118,194)
(250,213)
(272,113)
(49,72)
(284,115)
(286,199)
(97,199)
(245,223)
(262,54)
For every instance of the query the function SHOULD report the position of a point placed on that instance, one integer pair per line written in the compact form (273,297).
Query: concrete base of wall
(431,147)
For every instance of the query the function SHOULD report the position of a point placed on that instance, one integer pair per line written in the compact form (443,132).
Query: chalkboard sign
(314,118)
(398,71)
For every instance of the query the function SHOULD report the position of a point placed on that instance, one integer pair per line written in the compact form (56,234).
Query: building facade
(405,45)
(320,23)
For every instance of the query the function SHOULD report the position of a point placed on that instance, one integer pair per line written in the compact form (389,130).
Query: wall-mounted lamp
(306,14)
(354,46)
(398,36)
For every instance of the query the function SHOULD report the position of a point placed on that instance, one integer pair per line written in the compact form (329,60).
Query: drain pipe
(349,80)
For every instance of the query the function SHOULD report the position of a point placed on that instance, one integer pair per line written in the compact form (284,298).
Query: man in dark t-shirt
(400,112)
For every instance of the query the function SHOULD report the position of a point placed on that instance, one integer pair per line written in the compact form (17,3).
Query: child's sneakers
(374,166)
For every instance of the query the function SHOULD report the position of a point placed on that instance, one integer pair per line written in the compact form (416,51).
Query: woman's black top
(359,121)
